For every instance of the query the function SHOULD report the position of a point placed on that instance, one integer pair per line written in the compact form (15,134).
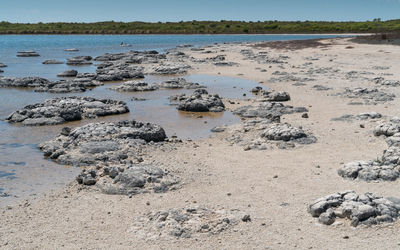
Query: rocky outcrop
(135,86)
(79,60)
(361,116)
(186,222)
(199,101)
(362,209)
(23,82)
(65,109)
(129,180)
(170,69)
(179,83)
(368,96)
(118,71)
(103,143)
(384,168)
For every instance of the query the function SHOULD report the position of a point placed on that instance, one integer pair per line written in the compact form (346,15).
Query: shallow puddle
(30,174)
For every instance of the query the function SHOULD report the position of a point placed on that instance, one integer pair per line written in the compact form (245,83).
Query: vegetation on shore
(201,27)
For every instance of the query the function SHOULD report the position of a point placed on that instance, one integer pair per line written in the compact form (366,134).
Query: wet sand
(273,186)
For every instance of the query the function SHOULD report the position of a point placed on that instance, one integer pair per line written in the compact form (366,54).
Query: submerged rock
(65,109)
(362,209)
(104,142)
(199,101)
(52,62)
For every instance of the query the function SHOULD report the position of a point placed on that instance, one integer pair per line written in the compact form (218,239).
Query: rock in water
(61,110)
(68,73)
(134,86)
(52,62)
(199,101)
(113,142)
(28,53)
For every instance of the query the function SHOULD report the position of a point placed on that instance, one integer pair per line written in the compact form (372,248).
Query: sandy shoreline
(273,186)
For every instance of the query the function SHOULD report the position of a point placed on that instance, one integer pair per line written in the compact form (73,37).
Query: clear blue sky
(177,10)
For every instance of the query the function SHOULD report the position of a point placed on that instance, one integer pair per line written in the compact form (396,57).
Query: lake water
(23,170)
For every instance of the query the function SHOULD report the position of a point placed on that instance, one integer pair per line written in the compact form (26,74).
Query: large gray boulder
(199,101)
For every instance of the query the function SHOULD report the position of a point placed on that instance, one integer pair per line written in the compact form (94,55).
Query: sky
(33,11)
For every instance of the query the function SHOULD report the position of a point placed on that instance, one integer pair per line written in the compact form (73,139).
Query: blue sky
(177,10)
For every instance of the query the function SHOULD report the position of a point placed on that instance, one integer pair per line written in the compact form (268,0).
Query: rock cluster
(270,110)
(186,222)
(135,86)
(170,69)
(383,82)
(385,168)
(65,109)
(369,96)
(362,209)
(271,96)
(103,143)
(128,179)
(199,101)
(79,84)
(361,116)
(118,71)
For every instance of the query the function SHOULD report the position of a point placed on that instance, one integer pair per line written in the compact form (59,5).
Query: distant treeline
(201,27)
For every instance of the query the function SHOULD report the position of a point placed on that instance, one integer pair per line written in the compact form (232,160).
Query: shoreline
(272,186)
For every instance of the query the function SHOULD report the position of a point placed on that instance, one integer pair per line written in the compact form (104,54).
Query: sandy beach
(268,190)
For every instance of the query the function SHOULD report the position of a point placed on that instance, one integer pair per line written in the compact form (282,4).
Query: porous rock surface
(199,101)
(362,209)
(368,96)
(135,86)
(179,83)
(105,142)
(186,222)
(384,168)
(129,179)
(65,109)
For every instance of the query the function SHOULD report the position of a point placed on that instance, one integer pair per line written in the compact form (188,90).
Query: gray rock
(79,60)
(68,73)
(179,83)
(135,86)
(366,209)
(199,101)
(2,65)
(61,110)
(52,62)
(28,53)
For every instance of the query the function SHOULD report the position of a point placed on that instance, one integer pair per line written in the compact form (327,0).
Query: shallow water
(32,174)
(52,47)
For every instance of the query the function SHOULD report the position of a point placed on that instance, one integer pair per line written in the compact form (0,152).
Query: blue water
(52,47)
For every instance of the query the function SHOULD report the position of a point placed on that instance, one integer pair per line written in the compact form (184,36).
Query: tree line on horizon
(201,27)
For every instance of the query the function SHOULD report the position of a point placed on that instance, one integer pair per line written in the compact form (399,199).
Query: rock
(218,129)
(369,96)
(137,179)
(179,83)
(23,82)
(361,116)
(52,62)
(97,143)
(79,60)
(185,222)
(320,88)
(283,132)
(72,50)
(367,209)
(171,69)
(135,86)
(64,109)
(275,96)
(68,73)
(327,217)
(199,101)
(2,65)
(28,53)
(304,115)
